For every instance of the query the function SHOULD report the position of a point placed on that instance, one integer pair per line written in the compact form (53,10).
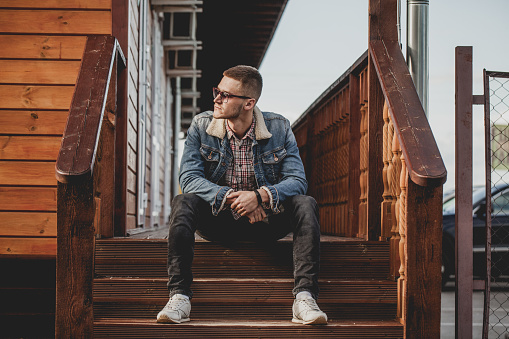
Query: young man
(242,179)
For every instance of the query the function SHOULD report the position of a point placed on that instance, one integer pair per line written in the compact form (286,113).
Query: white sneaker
(177,310)
(307,312)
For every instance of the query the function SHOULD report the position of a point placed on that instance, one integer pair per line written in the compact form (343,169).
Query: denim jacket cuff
(271,199)
(223,203)
(274,198)
(220,199)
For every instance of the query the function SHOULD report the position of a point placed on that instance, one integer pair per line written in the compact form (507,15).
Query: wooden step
(196,328)
(147,258)
(244,298)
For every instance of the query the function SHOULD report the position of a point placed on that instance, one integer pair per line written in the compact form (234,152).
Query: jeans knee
(305,203)
(185,200)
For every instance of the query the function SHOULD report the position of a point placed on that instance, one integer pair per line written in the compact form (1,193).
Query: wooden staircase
(244,291)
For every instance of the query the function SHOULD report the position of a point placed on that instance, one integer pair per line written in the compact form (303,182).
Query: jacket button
(275,158)
(223,163)
(210,157)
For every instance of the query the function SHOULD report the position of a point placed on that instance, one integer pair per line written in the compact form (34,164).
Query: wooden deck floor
(162,233)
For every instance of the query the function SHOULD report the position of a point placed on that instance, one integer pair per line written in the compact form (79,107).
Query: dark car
(500,232)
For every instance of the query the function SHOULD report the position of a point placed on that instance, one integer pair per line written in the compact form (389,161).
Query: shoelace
(174,304)
(309,304)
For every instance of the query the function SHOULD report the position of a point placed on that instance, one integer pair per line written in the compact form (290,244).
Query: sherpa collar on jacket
(218,129)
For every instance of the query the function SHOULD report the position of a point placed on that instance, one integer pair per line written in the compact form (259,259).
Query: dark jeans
(190,213)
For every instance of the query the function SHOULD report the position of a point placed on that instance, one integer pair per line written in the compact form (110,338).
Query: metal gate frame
(488,133)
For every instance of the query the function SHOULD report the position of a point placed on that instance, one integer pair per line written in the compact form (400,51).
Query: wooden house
(94,95)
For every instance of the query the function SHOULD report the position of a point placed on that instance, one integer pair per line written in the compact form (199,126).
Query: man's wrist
(258,197)
(265,196)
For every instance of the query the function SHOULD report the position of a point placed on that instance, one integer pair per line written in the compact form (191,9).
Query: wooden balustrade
(85,171)
(391,181)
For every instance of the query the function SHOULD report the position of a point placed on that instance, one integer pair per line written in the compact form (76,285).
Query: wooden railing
(376,172)
(85,170)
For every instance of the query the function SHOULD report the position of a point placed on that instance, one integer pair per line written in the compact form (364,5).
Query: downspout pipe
(417,47)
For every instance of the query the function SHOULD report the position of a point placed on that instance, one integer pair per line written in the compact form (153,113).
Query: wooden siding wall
(41,45)
(133,113)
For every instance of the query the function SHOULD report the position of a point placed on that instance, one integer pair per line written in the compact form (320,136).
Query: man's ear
(250,104)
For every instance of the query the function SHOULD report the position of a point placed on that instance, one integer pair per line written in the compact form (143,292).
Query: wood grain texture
(55,22)
(42,47)
(27,173)
(354,155)
(423,266)
(35,96)
(32,122)
(86,113)
(28,247)
(75,262)
(28,224)
(418,144)
(29,147)
(40,72)
(94,4)
(28,199)
(375,149)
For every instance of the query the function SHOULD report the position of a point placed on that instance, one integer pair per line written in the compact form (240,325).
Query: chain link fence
(497,309)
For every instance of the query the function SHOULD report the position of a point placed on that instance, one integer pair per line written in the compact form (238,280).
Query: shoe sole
(167,320)
(318,321)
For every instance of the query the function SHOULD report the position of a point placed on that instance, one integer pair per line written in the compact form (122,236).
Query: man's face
(234,107)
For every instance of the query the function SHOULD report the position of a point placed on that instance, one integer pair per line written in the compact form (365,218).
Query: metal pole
(178,114)
(417,47)
(463,183)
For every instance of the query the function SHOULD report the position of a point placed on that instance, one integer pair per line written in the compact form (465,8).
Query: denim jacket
(276,160)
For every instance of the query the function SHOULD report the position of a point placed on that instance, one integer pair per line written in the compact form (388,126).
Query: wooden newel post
(75,250)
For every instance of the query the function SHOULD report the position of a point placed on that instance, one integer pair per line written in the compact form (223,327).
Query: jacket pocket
(272,164)
(212,158)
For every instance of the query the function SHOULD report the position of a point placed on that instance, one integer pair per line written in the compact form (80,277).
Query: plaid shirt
(240,174)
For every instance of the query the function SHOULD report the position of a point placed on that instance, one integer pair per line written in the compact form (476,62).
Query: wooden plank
(55,22)
(28,199)
(32,122)
(35,97)
(59,72)
(89,4)
(27,173)
(29,147)
(42,47)
(33,224)
(28,247)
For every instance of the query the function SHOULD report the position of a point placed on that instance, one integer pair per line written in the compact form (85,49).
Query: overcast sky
(316,41)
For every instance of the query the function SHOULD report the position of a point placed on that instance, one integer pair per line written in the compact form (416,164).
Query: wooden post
(375,149)
(464,222)
(382,26)
(423,262)
(354,156)
(120,30)
(75,252)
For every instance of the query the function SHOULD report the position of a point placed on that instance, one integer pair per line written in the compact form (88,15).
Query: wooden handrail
(85,171)
(90,100)
(424,162)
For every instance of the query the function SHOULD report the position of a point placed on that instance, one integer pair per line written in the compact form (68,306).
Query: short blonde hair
(250,78)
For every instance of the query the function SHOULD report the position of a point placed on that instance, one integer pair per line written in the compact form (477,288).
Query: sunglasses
(225,95)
